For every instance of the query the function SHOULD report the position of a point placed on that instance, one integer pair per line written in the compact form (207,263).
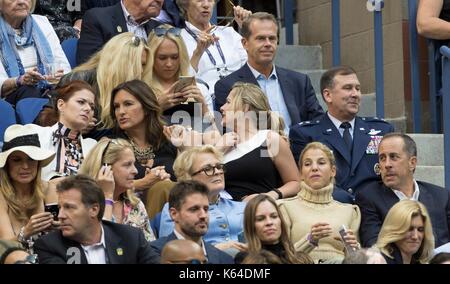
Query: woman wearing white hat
(22,192)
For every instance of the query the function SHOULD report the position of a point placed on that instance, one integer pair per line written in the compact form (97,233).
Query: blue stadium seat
(28,109)
(7,117)
(154,223)
(69,47)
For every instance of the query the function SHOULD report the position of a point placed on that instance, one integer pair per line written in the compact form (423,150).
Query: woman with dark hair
(264,228)
(136,116)
(73,110)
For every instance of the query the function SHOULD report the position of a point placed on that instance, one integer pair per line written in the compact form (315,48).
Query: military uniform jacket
(352,170)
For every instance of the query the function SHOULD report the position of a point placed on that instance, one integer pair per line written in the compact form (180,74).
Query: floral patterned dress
(136,216)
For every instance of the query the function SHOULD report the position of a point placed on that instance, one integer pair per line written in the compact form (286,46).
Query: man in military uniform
(354,140)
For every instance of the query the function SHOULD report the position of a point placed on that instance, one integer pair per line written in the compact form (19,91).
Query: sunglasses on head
(160,31)
(136,41)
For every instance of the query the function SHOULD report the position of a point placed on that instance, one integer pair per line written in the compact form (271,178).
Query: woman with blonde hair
(313,217)
(264,228)
(261,161)
(111,163)
(406,236)
(169,60)
(123,58)
(22,192)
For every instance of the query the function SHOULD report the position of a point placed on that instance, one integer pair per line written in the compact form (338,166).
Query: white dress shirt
(337,123)
(96,253)
(132,25)
(403,196)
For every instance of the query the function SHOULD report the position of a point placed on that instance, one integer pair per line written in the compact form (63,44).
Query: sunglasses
(114,141)
(136,41)
(210,170)
(160,31)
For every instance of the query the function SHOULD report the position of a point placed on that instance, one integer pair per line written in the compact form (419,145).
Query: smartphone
(52,208)
(241,237)
(343,233)
(183,82)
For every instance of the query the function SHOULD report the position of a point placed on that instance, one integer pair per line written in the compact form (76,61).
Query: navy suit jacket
(352,170)
(215,256)
(298,93)
(376,199)
(101,24)
(124,245)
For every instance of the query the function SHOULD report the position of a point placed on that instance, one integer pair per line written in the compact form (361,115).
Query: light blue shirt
(226,221)
(337,123)
(271,87)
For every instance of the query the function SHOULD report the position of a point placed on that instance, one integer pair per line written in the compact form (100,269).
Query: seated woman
(261,161)
(29,46)
(264,228)
(22,192)
(73,110)
(170,61)
(123,58)
(205,164)
(111,162)
(433,19)
(313,218)
(406,236)
(137,118)
(215,51)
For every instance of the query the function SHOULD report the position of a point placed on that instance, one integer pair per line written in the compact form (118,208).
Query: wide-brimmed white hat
(24,138)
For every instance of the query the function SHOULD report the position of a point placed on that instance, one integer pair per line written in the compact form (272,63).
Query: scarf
(31,36)
(69,154)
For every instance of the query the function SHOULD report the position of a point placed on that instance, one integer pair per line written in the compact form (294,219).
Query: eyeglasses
(161,31)
(114,141)
(136,41)
(210,170)
(30,259)
(191,261)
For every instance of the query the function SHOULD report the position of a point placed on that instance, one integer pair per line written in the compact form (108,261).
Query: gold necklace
(142,155)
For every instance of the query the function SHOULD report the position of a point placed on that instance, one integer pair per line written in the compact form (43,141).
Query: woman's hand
(240,14)
(204,40)
(232,244)
(350,239)
(227,142)
(170,99)
(182,137)
(38,223)
(320,230)
(105,179)
(193,92)
(151,177)
(31,77)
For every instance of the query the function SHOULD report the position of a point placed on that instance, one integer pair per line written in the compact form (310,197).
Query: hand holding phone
(183,82)
(52,208)
(343,233)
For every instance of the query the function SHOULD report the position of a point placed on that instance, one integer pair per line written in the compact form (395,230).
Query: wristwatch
(280,194)
(21,236)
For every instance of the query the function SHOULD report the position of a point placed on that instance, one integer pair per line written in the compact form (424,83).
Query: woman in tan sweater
(313,218)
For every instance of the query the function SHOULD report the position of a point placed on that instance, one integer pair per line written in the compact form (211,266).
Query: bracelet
(21,236)
(311,241)
(109,202)
(280,194)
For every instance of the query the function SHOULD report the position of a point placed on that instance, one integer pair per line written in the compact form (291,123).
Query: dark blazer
(100,25)
(214,255)
(298,93)
(376,199)
(352,170)
(124,245)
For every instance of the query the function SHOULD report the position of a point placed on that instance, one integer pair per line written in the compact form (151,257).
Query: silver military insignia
(376,169)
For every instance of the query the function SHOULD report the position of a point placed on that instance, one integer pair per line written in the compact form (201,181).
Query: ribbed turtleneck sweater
(312,206)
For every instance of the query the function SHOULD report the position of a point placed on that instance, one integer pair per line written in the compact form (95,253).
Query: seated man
(353,139)
(101,24)
(188,206)
(182,252)
(83,237)
(13,253)
(397,154)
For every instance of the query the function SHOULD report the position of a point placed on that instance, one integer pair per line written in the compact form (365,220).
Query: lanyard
(211,58)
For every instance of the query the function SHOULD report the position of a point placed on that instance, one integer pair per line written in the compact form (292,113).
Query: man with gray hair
(397,154)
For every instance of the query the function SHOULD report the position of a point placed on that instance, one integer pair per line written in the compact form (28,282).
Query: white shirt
(132,25)
(28,55)
(414,197)
(96,253)
(180,237)
(337,123)
(233,51)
